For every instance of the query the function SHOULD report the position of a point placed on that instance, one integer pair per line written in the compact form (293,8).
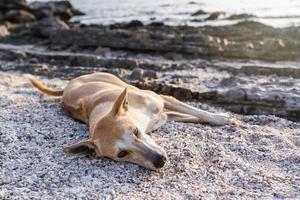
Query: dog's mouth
(150,159)
(156,164)
(157,160)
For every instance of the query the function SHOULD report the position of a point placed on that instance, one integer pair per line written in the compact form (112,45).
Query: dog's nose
(159,161)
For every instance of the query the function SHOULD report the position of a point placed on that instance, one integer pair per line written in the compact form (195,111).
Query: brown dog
(119,117)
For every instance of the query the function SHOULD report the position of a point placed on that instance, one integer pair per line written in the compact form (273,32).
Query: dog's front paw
(224,119)
(234,121)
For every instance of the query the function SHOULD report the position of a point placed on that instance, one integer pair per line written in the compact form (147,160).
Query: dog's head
(118,136)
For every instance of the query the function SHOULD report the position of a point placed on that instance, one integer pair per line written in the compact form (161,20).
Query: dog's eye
(136,132)
(122,154)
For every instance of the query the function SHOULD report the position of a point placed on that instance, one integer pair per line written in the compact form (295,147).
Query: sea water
(276,13)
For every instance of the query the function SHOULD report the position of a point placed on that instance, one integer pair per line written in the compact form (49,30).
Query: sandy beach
(243,62)
(257,160)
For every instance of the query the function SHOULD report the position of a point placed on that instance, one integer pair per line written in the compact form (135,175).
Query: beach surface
(258,159)
(245,63)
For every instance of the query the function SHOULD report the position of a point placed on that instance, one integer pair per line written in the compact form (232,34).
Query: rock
(17,2)
(62,9)
(199,12)
(47,26)
(3,31)
(140,74)
(183,93)
(17,11)
(33,61)
(240,16)
(173,56)
(41,9)
(246,39)
(134,23)
(267,71)
(151,74)
(192,2)
(131,24)
(19,16)
(77,12)
(137,74)
(216,15)
(1,17)
(240,100)
(101,50)
(13,4)
(157,24)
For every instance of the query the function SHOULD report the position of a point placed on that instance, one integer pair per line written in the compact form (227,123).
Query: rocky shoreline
(245,40)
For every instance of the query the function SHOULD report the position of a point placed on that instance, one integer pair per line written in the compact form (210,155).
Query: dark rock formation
(132,24)
(199,12)
(216,15)
(247,39)
(19,16)
(18,11)
(240,16)
(61,9)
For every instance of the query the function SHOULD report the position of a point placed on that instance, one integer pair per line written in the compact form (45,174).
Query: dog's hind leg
(173,104)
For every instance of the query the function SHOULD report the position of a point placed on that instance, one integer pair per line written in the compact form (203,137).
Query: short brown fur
(119,117)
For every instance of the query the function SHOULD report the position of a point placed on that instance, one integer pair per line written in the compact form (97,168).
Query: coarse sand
(258,160)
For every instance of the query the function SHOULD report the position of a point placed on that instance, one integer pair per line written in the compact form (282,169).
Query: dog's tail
(43,88)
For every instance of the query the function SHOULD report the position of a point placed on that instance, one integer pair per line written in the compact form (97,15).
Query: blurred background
(276,13)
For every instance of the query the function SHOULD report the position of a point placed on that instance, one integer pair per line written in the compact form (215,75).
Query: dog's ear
(121,104)
(85,147)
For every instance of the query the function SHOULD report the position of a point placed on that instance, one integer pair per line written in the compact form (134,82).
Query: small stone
(173,56)
(216,15)
(125,189)
(137,73)
(151,74)
(101,50)
(3,31)
(241,16)
(199,12)
(132,24)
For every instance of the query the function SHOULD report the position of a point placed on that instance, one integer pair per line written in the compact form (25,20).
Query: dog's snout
(154,155)
(159,161)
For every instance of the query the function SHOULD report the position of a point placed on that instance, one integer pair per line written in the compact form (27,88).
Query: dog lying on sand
(119,116)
